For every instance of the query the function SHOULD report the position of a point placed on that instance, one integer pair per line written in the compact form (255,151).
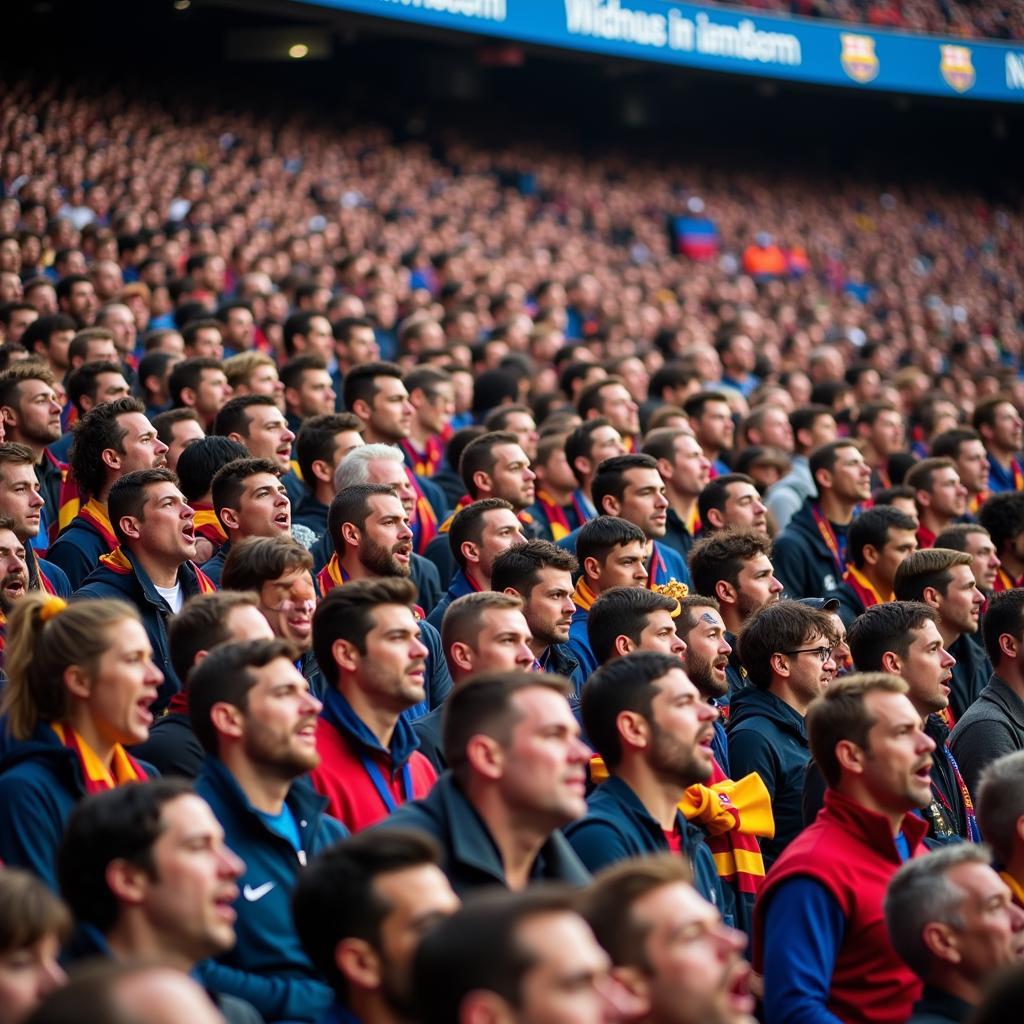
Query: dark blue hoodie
(768,737)
(802,561)
(267,967)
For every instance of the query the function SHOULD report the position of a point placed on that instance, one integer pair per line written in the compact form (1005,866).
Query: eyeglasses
(823,653)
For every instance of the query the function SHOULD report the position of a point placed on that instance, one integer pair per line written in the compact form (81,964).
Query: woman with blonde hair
(80,682)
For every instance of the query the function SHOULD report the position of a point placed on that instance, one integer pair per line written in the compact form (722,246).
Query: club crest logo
(858,57)
(956,67)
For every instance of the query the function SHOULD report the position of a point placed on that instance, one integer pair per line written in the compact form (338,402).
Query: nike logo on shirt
(252,895)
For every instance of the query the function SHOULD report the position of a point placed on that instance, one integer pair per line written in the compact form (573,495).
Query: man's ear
(715,518)
(351,535)
(591,567)
(358,963)
(623,645)
(871,554)
(470,552)
(481,1006)
(941,941)
(362,409)
(188,397)
(229,517)
(610,505)
(227,719)
(850,757)
(665,469)
(779,664)
(482,482)
(346,656)
(461,655)
(485,756)
(129,526)
(322,471)
(126,881)
(891,663)
(725,592)
(931,597)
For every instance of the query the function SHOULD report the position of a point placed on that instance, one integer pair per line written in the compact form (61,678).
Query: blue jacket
(267,966)
(214,566)
(768,737)
(77,550)
(469,857)
(558,658)
(618,826)
(40,783)
(54,573)
(579,643)
(137,589)
(460,586)
(803,563)
(311,512)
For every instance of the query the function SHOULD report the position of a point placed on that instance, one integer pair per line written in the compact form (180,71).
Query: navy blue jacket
(267,966)
(618,826)
(469,857)
(768,737)
(77,550)
(803,563)
(311,512)
(137,588)
(54,573)
(460,586)
(214,566)
(40,783)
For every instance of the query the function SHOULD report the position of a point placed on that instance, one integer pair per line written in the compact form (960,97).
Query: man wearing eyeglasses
(787,649)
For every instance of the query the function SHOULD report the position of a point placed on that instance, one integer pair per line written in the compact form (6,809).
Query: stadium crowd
(985,19)
(496,586)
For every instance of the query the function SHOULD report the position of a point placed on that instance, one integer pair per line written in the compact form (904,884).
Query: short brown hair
(777,629)
(462,617)
(921,476)
(255,560)
(840,714)
(608,903)
(722,555)
(929,567)
(484,704)
(201,624)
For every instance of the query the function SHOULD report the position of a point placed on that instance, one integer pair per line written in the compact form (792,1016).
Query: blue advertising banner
(720,39)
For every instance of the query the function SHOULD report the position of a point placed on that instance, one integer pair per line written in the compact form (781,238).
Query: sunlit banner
(732,40)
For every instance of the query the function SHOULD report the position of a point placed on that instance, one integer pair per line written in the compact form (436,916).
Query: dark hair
(579,443)
(777,629)
(43,328)
(610,479)
(1000,803)
(224,676)
(298,323)
(486,704)
(921,476)
(292,372)
(164,422)
(694,405)
(352,505)
(949,442)
(519,567)
(233,416)
(346,613)
(189,374)
(887,495)
(589,399)
(152,364)
(826,456)
(342,329)
(872,527)
(468,525)
(623,611)
(316,440)
(335,897)
(624,684)
(1005,614)
(120,824)
(96,431)
(191,329)
(985,410)
(461,622)
(930,567)
(723,555)
(608,903)
(201,624)
(128,496)
(493,388)
(480,948)
(459,441)
(886,627)
(954,537)
(200,462)
(715,494)
(478,456)
(85,380)
(255,560)
(1003,516)
(803,418)
(870,411)
(599,537)
(361,381)
(229,481)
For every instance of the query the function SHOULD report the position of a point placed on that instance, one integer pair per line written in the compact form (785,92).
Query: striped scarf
(95,774)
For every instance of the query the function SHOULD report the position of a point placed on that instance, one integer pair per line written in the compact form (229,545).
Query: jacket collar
(340,714)
(558,659)
(622,793)
(1001,694)
(124,563)
(869,827)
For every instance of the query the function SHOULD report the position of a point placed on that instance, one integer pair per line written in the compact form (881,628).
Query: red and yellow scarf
(426,462)
(95,774)
(333,575)
(117,561)
(95,514)
(558,521)
(864,588)
(207,524)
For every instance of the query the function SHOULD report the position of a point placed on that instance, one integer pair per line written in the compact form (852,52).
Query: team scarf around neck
(558,521)
(864,588)
(95,774)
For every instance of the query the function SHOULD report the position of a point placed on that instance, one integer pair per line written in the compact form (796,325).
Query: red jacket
(351,793)
(851,852)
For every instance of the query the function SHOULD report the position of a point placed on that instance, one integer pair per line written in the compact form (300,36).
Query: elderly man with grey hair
(952,919)
(1000,811)
(384,464)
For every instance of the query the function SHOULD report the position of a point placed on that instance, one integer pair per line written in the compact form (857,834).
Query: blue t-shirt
(284,824)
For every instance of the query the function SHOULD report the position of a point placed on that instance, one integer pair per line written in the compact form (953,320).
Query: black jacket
(970,673)
(991,727)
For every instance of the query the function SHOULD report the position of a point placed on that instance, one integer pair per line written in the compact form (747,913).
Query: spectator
(80,684)
(360,910)
(953,921)
(994,724)
(256,719)
(585,449)
(732,499)
(974,540)
(943,580)
(812,426)
(1000,810)
(321,446)
(685,471)
(940,496)
(625,620)
(497,812)
(1002,431)
(1003,516)
(819,927)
